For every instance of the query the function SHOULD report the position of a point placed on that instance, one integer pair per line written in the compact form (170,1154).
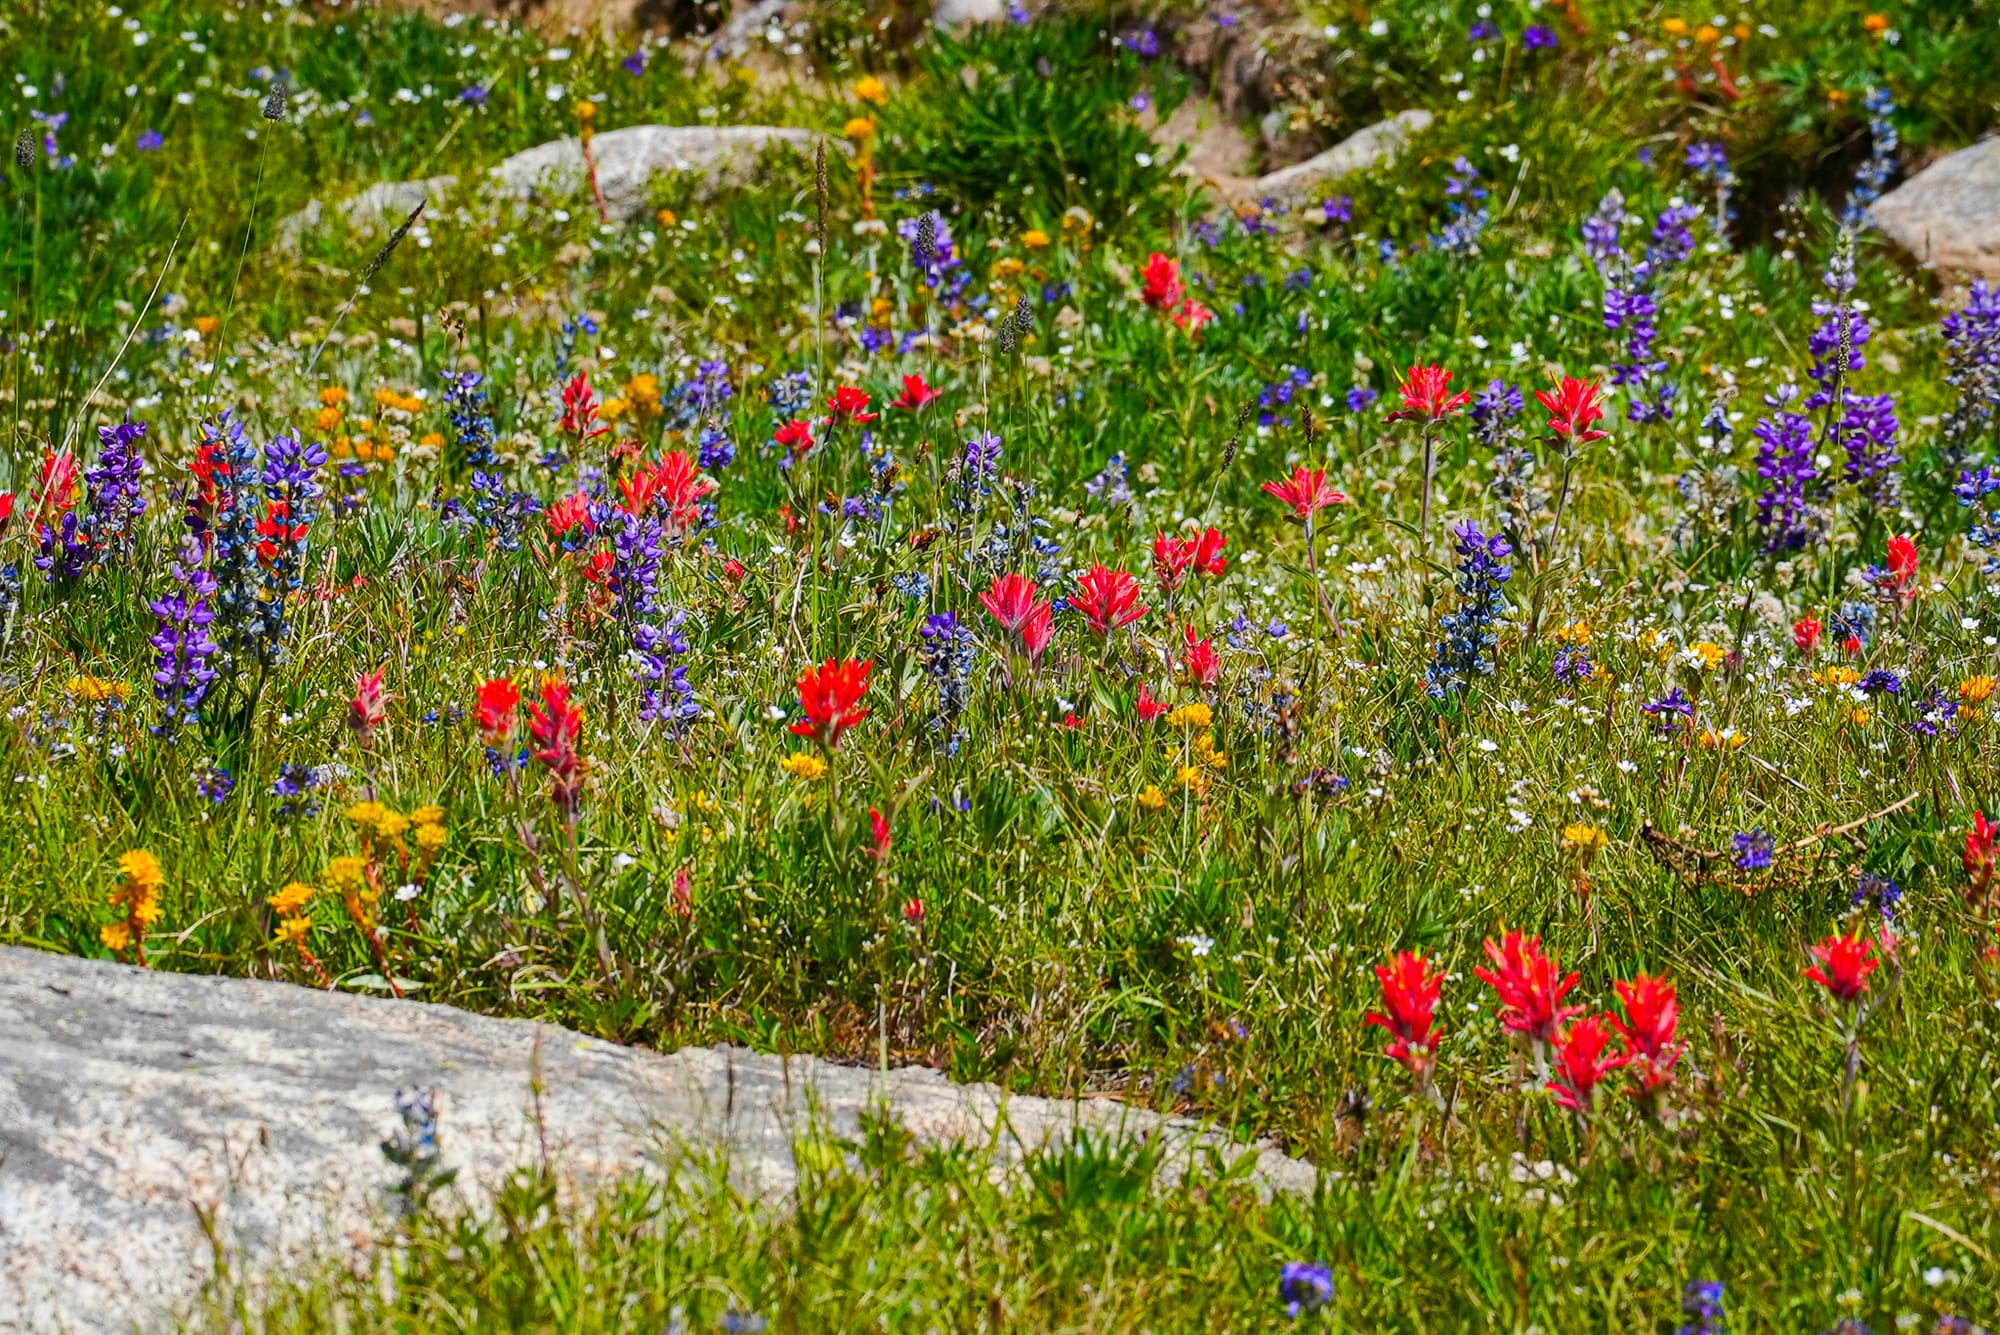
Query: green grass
(1212,954)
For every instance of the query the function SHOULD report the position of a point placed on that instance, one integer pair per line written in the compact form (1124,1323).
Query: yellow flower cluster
(1586,840)
(290,905)
(1728,739)
(1150,798)
(871,90)
(1576,632)
(138,895)
(1836,676)
(805,765)
(347,876)
(1976,690)
(639,400)
(96,690)
(1708,654)
(390,401)
(1035,239)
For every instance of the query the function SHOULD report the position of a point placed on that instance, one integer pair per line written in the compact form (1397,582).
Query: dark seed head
(1024,316)
(274,105)
(24,149)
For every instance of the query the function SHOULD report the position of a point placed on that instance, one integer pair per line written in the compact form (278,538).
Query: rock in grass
(627,161)
(131,1099)
(1305,181)
(1948,214)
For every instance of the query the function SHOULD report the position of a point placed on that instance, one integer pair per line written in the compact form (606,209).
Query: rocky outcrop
(1305,181)
(131,1100)
(1948,214)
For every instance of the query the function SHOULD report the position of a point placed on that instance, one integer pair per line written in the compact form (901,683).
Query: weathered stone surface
(1948,214)
(1300,182)
(627,161)
(953,13)
(128,1099)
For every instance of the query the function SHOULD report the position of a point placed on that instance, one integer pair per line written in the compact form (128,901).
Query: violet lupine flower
(114,503)
(1460,235)
(1707,160)
(496,509)
(1483,31)
(1972,367)
(931,251)
(1867,432)
(65,552)
(1337,208)
(1538,37)
(1470,631)
(1574,664)
(706,395)
(1492,409)
(665,694)
(183,649)
(214,782)
(791,393)
(1881,681)
(1110,485)
(1670,711)
(947,653)
(1853,626)
(1361,398)
(1631,302)
(1883,142)
(1701,1303)
(1753,851)
(1303,1287)
(1786,463)
(634,64)
(149,141)
(1879,893)
(717,451)
(1603,232)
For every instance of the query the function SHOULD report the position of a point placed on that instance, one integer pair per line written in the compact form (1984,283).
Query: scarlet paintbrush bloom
(55,484)
(1426,392)
(1038,630)
(1148,708)
(556,727)
(1902,568)
(369,708)
(1573,405)
(1844,965)
(1978,857)
(1192,315)
(495,710)
(828,694)
(1174,557)
(795,436)
(1108,599)
(1652,1014)
(1581,1064)
(1010,600)
(878,829)
(1161,288)
(1805,634)
(1410,991)
(1530,992)
(675,483)
(915,394)
(579,416)
(6,510)
(849,404)
(1198,662)
(569,513)
(1306,491)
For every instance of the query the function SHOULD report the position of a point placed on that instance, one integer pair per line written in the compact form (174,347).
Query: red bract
(1306,491)
(1844,965)
(1161,288)
(569,513)
(556,727)
(1149,708)
(55,483)
(1426,392)
(276,530)
(1581,1064)
(1530,992)
(1174,557)
(579,417)
(1903,567)
(674,482)
(1108,599)
(1652,1014)
(1805,634)
(878,829)
(1192,315)
(795,436)
(1410,991)
(1573,405)
(1979,866)
(915,394)
(913,912)
(495,711)
(829,695)
(1038,630)
(1009,600)
(369,708)
(849,404)
(1198,661)
(6,509)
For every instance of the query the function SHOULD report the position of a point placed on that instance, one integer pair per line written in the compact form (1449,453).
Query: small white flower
(1487,744)
(408,891)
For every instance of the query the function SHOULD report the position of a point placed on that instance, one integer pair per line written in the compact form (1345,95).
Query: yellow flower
(1576,632)
(1205,753)
(614,408)
(1007,267)
(1035,239)
(390,399)
(391,827)
(431,440)
(871,90)
(115,936)
(1191,778)
(367,816)
(1741,32)
(332,396)
(1976,690)
(1859,717)
(326,419)
(427,816)
(347,875)
(292,932)
(805,764)
(1710,654)
(288,901)
(1875,24)
(1197,716)
(142,869)
(861,127)
(586,112)
(666,217)
(1675,27)
(96,690)
(206,325)
(1584,839)
(1707,34)
(1728,738)
(1836,676)
(431,840)
(1077,221)
(1150,797)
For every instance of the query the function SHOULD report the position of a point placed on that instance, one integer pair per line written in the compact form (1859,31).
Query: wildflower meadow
(1482,676)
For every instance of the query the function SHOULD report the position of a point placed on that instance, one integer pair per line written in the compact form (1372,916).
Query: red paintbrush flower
(1903,568)
(1410,991)
(1010,600)
(1652,1014)
(675,482)
(556,728)
(1161,286)
(1805,634)
(915,394)
(878,829)
(1426,392)
(1198,662)
(1174,557)
(1192,315)
(569,513)
(1148,708)
(55,484)
(579,416)
(369,708)
(795,435)
(1573,405)
(1108,599)
(829,695)
(1038,630)
(6,509)
(1844,965)
(496,710)
(849,404)
(1978,857)
(1581,1064)
(1306,491)
(1530,991)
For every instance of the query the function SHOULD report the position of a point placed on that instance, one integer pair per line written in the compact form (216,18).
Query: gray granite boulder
(1304,181)
(1948,214)
(132,1100)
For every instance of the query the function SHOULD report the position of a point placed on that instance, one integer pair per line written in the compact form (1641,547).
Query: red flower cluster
(1530,991)
(1902,568)
(1648,1028)
(1427,396)
(915,394)
(829,695)
(1978,857)
(1174,557)
(674,482)
(1306,491)
(795,435)
(369,708)
(1198,662)
(1011,601)
(579,415)
(1410,991)
(496,710)
(1108,599)
(1844,965)
(1573,405)
(849,404)
(556,728)
(1582,1062)
(1160,283)
(569,513)
(55,484)
(1805,634)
